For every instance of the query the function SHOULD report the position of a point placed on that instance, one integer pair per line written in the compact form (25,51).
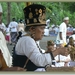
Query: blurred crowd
(52,30)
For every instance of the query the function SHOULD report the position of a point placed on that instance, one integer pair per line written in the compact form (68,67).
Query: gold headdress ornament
(35,15)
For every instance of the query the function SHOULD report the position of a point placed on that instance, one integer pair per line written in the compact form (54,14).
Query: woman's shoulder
(27,38)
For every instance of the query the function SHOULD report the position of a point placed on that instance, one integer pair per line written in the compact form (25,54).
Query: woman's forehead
(39,26)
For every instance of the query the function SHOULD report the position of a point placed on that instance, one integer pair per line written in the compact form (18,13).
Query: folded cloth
(40,69)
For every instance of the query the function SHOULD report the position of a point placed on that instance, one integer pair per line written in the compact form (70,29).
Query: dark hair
(13,19)
(28,27)
(33,26)
(20,21)
(73,32)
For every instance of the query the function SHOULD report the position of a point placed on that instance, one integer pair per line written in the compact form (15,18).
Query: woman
(27,53)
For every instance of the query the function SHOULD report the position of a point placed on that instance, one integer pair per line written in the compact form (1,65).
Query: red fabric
(7,37)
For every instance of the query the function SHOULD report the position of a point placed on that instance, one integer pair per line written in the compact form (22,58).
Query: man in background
(13,26)
(61,37)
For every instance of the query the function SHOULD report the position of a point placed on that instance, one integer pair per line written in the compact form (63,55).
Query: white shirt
(62,29)
(21,27)
(2,26)
(46,32)
(5,51)
(48,23)
(56,30)
(7,31)
(27,46)
(62,59)
(13,26)
(73,36)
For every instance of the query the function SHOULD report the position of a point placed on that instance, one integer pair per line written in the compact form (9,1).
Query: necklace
(35,42)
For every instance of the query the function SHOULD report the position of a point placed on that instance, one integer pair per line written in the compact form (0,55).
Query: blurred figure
(5,57)
(56,28)
(46,32)
(73,37)
(2,27)
(5,51)
(7,36)
(20,29)
(61,37)
(13,26)
(52,30)
(21,26)
(3,45)
(48,23)
(69,30)
(60,60)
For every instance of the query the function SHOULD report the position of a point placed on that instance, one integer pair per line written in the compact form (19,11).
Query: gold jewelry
(33,35)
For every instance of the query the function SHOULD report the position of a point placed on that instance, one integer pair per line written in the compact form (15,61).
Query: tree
(56,11)
(8,12)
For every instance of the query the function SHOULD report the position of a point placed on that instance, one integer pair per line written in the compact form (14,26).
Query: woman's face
(38,32)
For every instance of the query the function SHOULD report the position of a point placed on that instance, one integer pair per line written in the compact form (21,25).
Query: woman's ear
(32,29)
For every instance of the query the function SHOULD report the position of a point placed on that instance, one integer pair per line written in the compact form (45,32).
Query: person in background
(13,27)
(52,30)
(5,57)
(56,30)
(46,30)
(7,36)
(5,51)
(73,37)
(61,37)
(2,27)
(21,28)
(48,23)
(60,60)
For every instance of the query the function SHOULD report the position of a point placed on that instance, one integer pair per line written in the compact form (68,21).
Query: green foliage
(4,7)
(16,11)
(56,11)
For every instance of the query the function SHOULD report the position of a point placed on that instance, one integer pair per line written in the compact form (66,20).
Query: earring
(33,35)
